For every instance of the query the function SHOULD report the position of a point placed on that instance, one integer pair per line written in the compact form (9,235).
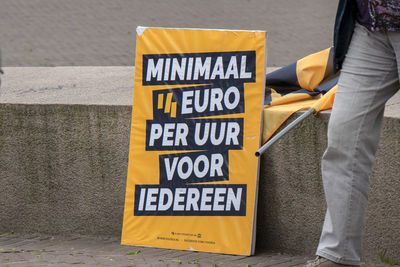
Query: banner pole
(270,142)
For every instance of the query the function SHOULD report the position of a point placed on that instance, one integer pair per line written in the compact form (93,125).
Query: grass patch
(388,260)
(7,234)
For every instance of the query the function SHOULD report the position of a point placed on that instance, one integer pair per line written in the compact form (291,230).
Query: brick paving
(27,251)
(89,251)
(102,32)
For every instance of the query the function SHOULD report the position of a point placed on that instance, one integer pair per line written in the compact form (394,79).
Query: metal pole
(283,132)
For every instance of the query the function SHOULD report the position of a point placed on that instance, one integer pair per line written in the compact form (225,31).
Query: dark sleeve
(343,31)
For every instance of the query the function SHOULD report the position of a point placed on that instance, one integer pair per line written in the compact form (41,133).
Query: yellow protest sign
(196,124)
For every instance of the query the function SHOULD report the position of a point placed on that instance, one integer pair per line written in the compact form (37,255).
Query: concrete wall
(63,166)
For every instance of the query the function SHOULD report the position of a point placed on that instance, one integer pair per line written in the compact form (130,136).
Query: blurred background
(102,32)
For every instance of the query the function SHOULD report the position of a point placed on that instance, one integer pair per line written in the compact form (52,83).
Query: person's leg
(367,80)
(394,38)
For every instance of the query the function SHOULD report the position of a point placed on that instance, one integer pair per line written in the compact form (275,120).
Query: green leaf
(134,252)
(177,261)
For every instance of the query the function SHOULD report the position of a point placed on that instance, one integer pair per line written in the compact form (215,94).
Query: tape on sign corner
(140,30)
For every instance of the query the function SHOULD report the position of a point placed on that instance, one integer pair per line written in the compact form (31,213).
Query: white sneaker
(322,262)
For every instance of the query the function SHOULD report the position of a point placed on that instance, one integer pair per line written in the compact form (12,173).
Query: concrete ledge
(64,138)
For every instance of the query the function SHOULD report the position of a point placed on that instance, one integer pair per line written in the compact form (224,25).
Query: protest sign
(196,124)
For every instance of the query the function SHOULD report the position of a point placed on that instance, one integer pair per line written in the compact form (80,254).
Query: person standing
(1,71)
(367,50)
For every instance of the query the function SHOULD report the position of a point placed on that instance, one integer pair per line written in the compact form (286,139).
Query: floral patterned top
(379,15)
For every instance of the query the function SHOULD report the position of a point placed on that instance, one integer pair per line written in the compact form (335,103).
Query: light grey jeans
(369,77)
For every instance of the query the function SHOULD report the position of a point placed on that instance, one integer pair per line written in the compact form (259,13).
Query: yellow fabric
(277,99)
(275,116)
(326,101)
(311,69)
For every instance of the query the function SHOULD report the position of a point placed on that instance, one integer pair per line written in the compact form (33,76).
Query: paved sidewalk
(102,32)
(85,251)
(89,251)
